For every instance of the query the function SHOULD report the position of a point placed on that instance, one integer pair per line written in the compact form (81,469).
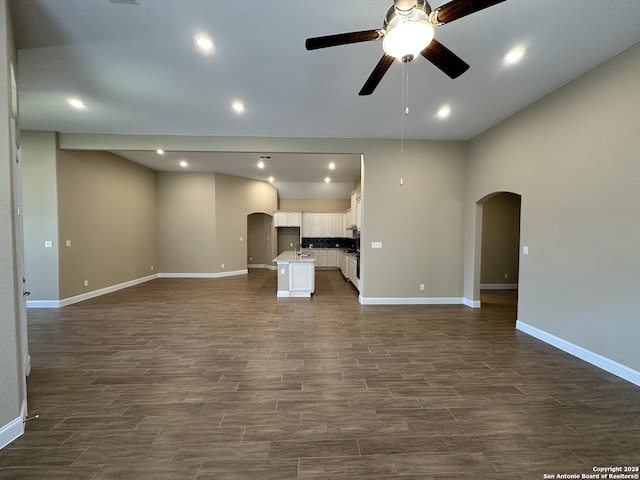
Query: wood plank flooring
(184,379)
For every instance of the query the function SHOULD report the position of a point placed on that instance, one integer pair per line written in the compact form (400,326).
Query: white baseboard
(86,296)
(287,294)
(471,303)
(43,304)
(103,291)
(411,300)
(262,265)
(204,275)
(13,429)
(498,286)
(588,356)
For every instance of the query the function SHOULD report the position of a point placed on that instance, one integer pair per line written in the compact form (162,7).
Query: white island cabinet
(296,275)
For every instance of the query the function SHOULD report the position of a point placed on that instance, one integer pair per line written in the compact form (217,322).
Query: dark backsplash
(322,242)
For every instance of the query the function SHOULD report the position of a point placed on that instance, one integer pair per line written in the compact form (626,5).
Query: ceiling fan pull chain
(402,115)
(406,90)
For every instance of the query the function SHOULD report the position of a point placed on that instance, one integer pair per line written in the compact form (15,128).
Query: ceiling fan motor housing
(413,31)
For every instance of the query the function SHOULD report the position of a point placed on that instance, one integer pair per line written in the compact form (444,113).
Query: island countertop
(289,256)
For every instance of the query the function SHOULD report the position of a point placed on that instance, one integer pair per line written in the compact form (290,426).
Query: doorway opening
(500,249)
(260,241)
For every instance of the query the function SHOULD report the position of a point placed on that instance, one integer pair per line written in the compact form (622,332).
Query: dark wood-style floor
(218,379)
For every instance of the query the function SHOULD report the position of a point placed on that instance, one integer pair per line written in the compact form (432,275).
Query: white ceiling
(136,67)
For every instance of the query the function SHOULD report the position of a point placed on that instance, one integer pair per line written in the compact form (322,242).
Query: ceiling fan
(407,32)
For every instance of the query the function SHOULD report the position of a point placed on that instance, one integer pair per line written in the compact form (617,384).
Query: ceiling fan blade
(342,39)
(444,59)
(456,9)
(377,74)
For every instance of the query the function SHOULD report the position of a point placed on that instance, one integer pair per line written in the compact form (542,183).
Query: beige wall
(40,213)
(236,199)
(186,222)
(11,373)
(500,239)
(574,158)
(107,209)
(203,220)
(288,239)
(322,205)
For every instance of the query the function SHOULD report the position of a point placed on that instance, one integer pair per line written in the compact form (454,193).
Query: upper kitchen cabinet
(287,219)
(355,216)
(322,224)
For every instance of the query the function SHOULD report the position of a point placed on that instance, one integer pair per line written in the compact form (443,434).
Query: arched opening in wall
(260,241)
(500,249)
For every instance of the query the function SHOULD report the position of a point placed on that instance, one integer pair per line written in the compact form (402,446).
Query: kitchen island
(296,274)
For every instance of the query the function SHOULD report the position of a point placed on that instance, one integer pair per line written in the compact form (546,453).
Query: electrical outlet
(250,259)
(48,244)
(422,286)
(222,265)
(241,239)
(86,283)
(506,275)
(152,267)
(68,243)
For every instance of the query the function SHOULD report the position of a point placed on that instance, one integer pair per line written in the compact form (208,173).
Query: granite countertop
(290,256)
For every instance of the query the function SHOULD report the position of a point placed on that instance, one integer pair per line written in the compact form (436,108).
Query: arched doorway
(499,248)
(260,241)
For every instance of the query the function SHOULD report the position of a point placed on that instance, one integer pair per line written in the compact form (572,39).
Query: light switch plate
(376,244)
(525,250)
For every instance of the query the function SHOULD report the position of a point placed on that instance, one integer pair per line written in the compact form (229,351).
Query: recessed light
(332,166)
(76,103)
(204,43)
(327,180)
(514,56)
(238,107)
(183,163)
(160,151)
(260,164)
(444,111)
(271,179)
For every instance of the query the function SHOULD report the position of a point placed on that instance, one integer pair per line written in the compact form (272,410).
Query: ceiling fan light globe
(408,38)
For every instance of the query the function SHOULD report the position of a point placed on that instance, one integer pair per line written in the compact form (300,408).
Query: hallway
(187,379)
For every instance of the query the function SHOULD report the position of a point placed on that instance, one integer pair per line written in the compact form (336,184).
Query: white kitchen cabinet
(332,258)
(287,219)
(342,262)
(338,224)
(352,270)
(348,221)
(327,224)
(294,219)
(323,258)
(311,225)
